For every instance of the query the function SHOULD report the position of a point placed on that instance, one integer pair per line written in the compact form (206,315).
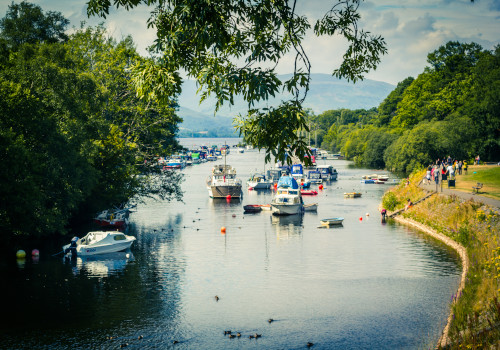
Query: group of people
(447,168)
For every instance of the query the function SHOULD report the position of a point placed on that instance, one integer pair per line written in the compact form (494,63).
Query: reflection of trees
(56,296)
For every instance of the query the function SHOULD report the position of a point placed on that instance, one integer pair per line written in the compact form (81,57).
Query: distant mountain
(325,93)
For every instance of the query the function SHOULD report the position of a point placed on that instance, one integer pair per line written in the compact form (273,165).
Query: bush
(390,201)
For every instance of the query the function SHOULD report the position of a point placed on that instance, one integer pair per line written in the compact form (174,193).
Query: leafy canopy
(232,47)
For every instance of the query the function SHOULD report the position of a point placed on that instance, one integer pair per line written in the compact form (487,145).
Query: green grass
(488,175)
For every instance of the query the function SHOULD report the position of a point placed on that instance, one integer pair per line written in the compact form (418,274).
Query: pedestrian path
(464,195)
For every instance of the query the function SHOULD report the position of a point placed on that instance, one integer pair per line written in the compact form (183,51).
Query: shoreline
(462,252)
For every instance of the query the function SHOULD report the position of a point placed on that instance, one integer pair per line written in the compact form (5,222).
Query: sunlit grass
(476,314)
(488,175)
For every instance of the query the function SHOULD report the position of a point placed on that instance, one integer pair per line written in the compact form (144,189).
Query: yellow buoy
(21,254)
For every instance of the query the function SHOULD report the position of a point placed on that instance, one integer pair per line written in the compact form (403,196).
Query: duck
(227,332)
(270,320)
(238,334)
(309,344)
(175,342)
(140,337)
(123,345)
(231,336)
(216,298)
(257,335)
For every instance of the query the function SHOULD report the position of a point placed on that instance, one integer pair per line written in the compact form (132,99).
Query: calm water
(360,286)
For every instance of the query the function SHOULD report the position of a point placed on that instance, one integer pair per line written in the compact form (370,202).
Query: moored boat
(308,192)
(113,217)
(352,194)
(259,182)
(99,242)
(368,181)
(328,172)
(332,221)
(288,200)
(311,207)
(252,208)
(223,182)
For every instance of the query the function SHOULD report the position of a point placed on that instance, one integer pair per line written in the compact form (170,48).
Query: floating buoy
(35,252)
(320,187)
(21,254)
(223,230)
(367,214)
(234,215)
(276,185)
(228,197)
(360,218)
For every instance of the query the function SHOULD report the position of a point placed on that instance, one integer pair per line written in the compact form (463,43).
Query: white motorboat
(259,182)
(223,182)
(99,242)
(288,199)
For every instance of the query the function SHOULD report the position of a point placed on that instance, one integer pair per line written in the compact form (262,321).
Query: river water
(363,285)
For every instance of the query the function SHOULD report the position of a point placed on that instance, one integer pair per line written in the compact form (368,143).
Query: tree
(26,23)
(210,39)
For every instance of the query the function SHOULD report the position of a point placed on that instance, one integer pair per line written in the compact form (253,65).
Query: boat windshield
(120,237)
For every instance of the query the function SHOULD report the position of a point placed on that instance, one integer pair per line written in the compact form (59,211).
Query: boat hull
(332,221)
(259,185)
(286,209)
(223,191)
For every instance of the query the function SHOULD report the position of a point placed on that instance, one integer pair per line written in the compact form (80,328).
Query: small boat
(314,177)
(380,182)
(368,181)
(266,207)
(99,242)
(352,194)
(223,182)
(383,177)
(308,192)
(328,172)
(113,217)
(332,221)
(311,207)
(252,208)
(368,177)
(259,182)
(288,199)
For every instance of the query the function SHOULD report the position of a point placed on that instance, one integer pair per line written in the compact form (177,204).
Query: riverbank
(471,228)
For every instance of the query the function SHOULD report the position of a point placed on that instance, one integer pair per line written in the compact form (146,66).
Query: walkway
(464,195)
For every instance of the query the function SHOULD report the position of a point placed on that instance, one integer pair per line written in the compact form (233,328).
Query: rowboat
(252,208)
(352,194)
(308,192)
(332,221)
(311,207)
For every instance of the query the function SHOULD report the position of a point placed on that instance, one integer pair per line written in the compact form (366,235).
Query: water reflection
(287,226)
(103,265)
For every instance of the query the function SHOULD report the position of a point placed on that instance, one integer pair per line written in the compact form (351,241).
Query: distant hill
(326,92)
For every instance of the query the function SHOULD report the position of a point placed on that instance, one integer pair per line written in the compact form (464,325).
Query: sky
(411,29)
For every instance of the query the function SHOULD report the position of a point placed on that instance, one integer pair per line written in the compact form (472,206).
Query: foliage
(26,23)
(452,108)
(74,138)
(232,47)
(390,201)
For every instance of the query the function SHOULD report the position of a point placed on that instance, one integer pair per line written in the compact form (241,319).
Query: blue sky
(411,29)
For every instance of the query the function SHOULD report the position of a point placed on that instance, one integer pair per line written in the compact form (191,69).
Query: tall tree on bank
(209,39)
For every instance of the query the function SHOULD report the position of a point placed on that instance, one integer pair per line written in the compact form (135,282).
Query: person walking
(465,167)
(460,167)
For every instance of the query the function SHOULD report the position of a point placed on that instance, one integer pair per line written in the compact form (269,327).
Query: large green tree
(26,23)
(232,47)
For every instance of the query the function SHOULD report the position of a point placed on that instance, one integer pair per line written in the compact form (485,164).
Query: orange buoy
(320,187)
(223,230)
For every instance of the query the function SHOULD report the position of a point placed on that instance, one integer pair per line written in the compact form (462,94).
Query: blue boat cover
(297,169)
(288,181)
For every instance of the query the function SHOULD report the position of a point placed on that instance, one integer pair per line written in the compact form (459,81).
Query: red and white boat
(113,217)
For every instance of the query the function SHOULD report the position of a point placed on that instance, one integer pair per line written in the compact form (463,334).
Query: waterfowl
(270,320)
(123,345)
(238,334)
(232,336)
(251,336)
(309,344)
(140,337)
(258,335)
(216,298)
(227,332)
(175,342)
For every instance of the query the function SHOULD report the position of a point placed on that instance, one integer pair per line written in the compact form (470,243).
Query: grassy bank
(476,313)
(488,175)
